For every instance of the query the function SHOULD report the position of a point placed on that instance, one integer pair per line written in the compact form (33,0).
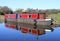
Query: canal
(10,33)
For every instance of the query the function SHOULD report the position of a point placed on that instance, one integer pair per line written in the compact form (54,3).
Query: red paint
(34,31)
(34,16)
(41,31)
(42,16)
(6,16)
(24,15)
(7,25)
(24,29)
(12,15)
(13,26)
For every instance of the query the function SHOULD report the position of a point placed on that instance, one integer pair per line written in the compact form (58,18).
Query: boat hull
(44,22)
(32,21)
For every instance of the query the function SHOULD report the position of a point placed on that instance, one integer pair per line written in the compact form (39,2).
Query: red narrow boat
(38,19)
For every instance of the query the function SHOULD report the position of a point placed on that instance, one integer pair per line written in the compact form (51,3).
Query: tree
(4,10)
(18,11)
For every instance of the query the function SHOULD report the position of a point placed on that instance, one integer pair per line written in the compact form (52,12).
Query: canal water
(10,34)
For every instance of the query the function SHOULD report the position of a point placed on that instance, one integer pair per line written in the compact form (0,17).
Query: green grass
(56,17)
(1,16)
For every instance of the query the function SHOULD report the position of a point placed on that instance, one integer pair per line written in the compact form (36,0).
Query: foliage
(4,10)
(47,11)
(56,17)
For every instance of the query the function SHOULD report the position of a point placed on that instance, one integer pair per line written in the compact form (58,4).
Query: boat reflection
(26,28)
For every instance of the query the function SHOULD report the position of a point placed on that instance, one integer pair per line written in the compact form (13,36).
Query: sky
(40,4)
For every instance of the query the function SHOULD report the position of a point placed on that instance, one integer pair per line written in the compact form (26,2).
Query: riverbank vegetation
(56,17)
(50,13)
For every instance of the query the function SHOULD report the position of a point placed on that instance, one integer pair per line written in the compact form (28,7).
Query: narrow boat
(34,19)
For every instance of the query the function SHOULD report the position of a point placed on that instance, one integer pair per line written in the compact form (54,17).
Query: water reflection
(28,28)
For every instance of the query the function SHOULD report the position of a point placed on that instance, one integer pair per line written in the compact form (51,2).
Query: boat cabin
(27,15)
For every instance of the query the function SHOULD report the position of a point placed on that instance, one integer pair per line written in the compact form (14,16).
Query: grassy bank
(56,17)
(1,16)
